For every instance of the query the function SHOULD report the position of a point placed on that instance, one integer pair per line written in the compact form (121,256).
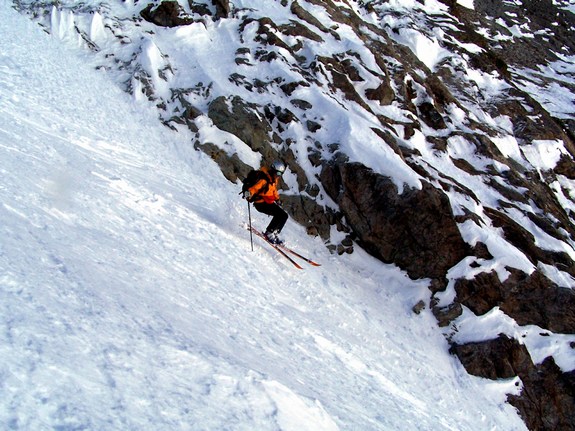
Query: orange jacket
(268,196)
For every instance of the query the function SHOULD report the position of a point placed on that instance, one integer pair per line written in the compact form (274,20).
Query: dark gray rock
(547,399)
(242,120)
(167,14)
(500,358)
(528,299)
(415,230)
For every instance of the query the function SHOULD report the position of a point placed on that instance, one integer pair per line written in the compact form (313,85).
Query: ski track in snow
(130,300)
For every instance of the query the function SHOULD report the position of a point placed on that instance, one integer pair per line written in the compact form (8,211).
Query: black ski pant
(279,216)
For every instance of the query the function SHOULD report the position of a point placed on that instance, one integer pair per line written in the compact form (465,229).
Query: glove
(246,194)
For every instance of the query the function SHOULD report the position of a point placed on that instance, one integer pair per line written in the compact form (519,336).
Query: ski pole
(250,221)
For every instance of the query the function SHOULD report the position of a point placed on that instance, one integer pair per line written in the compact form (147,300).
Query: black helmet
(278,167)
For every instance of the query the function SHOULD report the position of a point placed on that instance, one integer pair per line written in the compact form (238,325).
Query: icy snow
(427,49)
(466,3)
(544,154)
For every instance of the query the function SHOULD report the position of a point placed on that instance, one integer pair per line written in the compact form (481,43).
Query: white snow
(544,154)
(466,3)
(428,49)
(539,342)
(508,146)
(130,299)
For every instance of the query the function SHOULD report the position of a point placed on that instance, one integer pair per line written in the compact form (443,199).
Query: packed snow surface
(130,297)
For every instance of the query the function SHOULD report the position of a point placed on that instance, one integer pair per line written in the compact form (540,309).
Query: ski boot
(272,237)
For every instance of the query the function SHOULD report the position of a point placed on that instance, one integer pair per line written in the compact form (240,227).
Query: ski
(295,253)
(283,253)
(285,250)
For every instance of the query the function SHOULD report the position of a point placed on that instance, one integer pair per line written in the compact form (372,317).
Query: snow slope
(130,299)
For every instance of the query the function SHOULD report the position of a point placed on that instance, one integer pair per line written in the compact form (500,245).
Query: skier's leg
(279,216)
(279,219)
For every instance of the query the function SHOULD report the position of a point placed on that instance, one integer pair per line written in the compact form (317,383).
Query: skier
(264,194)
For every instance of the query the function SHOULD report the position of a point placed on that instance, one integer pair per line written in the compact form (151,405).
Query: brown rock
(167,14)
(529,299)
(500,358)
(415,230)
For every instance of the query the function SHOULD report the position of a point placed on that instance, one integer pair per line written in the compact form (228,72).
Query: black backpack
(253,177)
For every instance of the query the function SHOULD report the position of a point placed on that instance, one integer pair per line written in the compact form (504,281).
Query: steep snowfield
(130,299)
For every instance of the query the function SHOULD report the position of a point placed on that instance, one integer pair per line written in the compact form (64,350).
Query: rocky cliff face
(431,134)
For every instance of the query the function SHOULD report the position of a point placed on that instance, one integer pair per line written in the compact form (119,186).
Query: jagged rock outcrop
(548,395)
(414,229)
(500,358)
(547,401)
(243,120)
(222,8)
(529,299)
(168,13)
